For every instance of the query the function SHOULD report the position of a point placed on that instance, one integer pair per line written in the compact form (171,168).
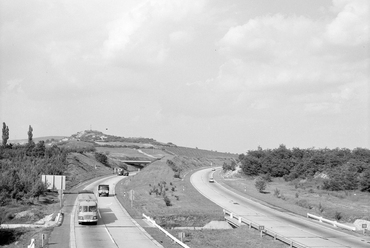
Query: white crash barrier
(238,221)
(165,232)
(32,245)
(334,223)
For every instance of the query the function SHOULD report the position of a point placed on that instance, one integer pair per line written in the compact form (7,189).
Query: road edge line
(137,224)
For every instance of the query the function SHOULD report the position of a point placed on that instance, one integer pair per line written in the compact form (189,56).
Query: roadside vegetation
(333,183)
(24,199)
(339,169)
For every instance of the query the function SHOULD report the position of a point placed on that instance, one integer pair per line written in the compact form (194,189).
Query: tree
(365,181)
(101,158)
(251,166)
(5,136)
(38,189)
(260,184)
(39,149)
(30,142)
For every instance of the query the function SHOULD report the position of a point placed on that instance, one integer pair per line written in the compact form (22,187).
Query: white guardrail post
(32,245)
(165,232)
(265,230)
(334,223)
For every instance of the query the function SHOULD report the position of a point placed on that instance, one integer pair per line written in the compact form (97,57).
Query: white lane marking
(72,235)
(106,229)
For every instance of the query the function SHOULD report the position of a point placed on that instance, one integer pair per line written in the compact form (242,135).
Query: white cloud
(351,25)
(294,56)
(142,35)
(181,36)
(15,85)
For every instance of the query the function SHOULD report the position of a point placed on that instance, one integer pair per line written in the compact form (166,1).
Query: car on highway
(103,189)
(211,180)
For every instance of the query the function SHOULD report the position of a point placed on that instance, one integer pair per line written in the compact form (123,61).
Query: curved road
(115,228)
(296,228)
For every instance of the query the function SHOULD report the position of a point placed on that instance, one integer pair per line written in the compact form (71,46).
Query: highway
(115,228)
(301,230)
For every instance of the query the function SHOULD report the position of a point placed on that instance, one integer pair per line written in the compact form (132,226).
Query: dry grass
(198,153)
(21,237)
(82,167)
(121,152)
(188,207)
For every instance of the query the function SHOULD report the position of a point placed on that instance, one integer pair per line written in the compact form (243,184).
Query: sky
(226,76)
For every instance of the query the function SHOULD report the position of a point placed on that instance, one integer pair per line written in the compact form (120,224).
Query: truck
(87,207)
(103,189)
(122,172)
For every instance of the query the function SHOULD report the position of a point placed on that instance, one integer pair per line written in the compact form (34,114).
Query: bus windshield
(87,209)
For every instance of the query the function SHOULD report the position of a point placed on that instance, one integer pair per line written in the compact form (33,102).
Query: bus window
(92,209)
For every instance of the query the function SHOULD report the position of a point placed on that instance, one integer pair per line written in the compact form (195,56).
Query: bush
(303,203)
(321,208)
(267,177)
(167,201)
(277,193)
(260,184)
(101,158)
(338,216)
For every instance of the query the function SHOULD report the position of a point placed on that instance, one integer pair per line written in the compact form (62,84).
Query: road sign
(54,181)
(181,236)
(364,226)
(261,228)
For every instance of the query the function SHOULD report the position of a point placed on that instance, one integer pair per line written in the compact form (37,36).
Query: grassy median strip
(187,208)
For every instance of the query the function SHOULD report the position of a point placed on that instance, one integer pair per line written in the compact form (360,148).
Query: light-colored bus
(87,207)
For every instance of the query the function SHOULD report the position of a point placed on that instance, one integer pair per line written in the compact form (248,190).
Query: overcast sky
(218,75)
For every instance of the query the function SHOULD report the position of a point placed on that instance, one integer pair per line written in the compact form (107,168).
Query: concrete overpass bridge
(137,162)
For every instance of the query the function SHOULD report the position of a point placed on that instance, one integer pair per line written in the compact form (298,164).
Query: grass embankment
(302,197)
(188,207)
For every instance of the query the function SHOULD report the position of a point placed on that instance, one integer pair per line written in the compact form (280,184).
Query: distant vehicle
(87,207)
(214,169)
(103,189)
(211,180)
(122,172)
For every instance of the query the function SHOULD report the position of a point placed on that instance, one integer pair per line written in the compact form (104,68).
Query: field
(198,153)
(129,153)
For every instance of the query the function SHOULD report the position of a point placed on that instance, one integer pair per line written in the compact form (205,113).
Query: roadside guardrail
(165,232)
(334,223)
(239,221)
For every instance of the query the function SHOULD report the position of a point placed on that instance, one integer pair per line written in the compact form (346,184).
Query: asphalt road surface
(115,228)
(301,230)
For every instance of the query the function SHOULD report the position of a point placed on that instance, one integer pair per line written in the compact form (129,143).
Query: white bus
(87,207)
